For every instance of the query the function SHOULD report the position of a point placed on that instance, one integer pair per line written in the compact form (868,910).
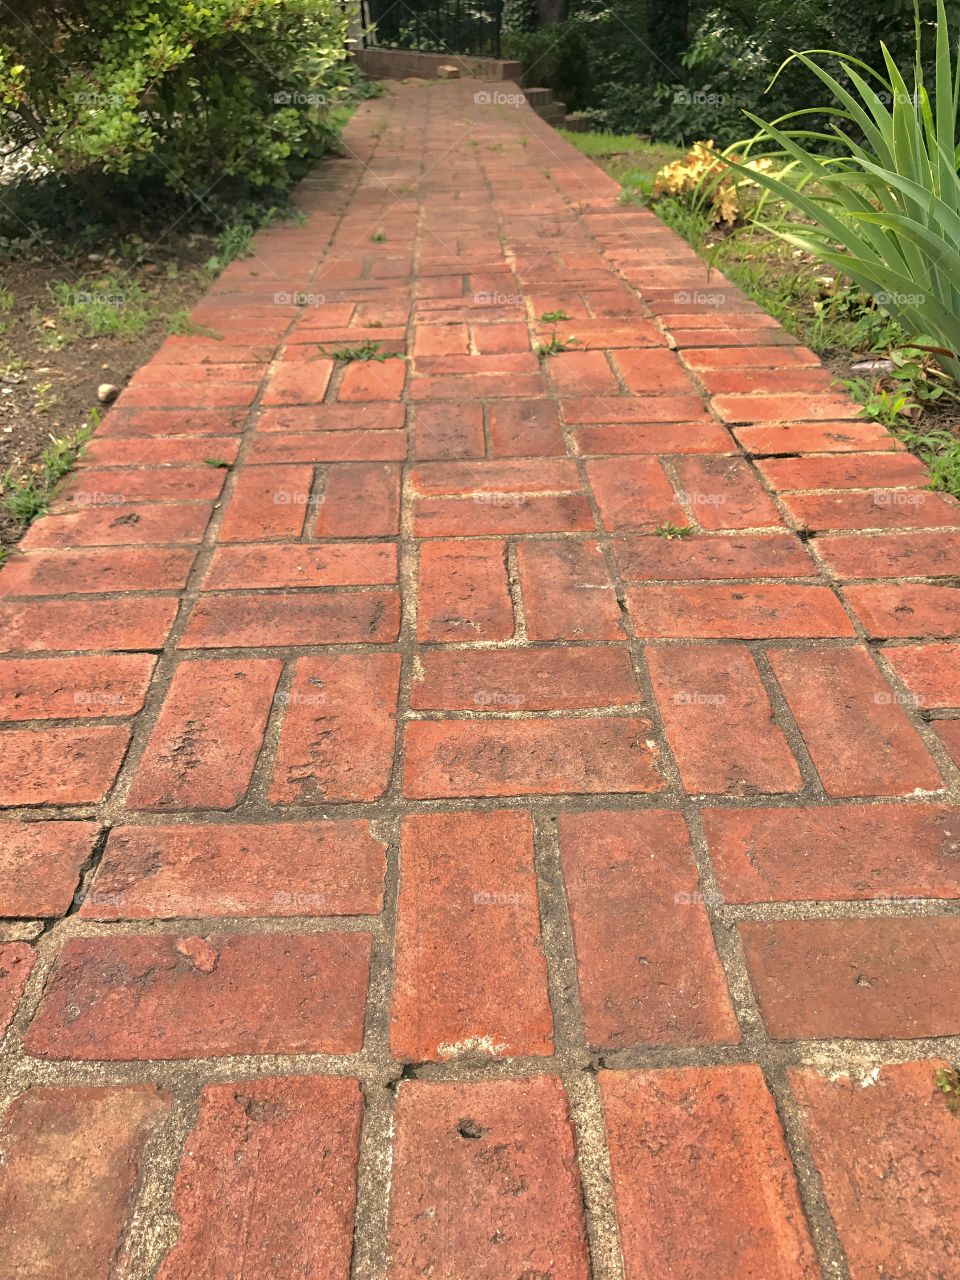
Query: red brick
(372,380)
(581,373)
(819,437)
(633,493)
(172,422)
(52,573)
(750,612)
(648,970)
(861,741)
(657,437)
(725,494)
(525,429)
(891,555)
(204,746)
(332,564)
(845,471)
(608,335)
(330,446)
(40,865)
(500,339)
(238,620)
(61,766)
(931,672)
(750,358)
(877,509)
(948,731)
(69,1181)
(86,624)
(352,419)
(855,979)
(442,340)
(449,430)
(907,609)
(542,679)
(688,559)
(157,373)
(480,387)
(496,513)
(785,408)
(743,382)
(112,526)
(501,477)
(468,892)
(299,1136)
(73,688)
(719,721)
(891,1195)
(163,996)
(267,502)
(650,371)
(485,1182)
(590,410)
(90,486)
(838,853)
(16,961)
(567,592)
(361,501)
(339,727)
(481,368)
(530,757)
(282,869)
(702,1176)
(294,384)
(464,592)
(188,395)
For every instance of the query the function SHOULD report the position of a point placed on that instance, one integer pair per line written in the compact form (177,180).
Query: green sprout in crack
(948,1082)
(366,351)
(217,462)
(668,530)
(378,237)
(555,346)
(553,317)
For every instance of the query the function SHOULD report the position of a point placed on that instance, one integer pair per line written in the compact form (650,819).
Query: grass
(366,351)
(670,531)
(555,346)
(25,498)
(97,307)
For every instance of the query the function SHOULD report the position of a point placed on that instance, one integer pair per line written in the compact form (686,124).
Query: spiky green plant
(886,210)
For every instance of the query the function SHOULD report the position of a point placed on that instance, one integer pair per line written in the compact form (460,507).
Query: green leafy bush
(886,209)
(184,90)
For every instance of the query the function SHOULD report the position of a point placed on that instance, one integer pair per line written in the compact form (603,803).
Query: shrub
(886,209)
(189,91)
(555,57)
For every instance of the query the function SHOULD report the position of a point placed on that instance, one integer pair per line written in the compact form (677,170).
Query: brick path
(413,863)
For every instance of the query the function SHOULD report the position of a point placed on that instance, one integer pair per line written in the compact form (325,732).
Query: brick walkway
(416,864)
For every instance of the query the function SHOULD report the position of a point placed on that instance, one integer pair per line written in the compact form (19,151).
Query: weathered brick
(845,471)
(204,746)
(495,513)
(485,1182)
(296,384)
(719,721)
(860,739)
(725,494)
(73,688)
(817,437)
(579,373)
(530,757)
(656,437)
(633,493)
(40,865)
(141,423)
(70,1177)
(891,555)
(758,357)
(590,410)
(338,733)
(743,382)
(361,501)
(267,502)
(166,996)
(501,339)
(150,484)
(888,1153)
(688,559)
(931,672)
(280,869)
(702,1176)
(649,972)
(449,430)
(331,564)
(61,766)
(468,892)
(541,679)
(567,592)
(524,429)
(507,476)
(948,731)
(785,408)
(372,380)
(441,340)
(464,592)
(855,979)
(188,395)
(51,625)
(112,525)
(750,612)
(300,1136)
(53,573)
(653,371)
(16,961)
(907,609)
(876,509)
(297,421)
(239,619)
(834,853)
